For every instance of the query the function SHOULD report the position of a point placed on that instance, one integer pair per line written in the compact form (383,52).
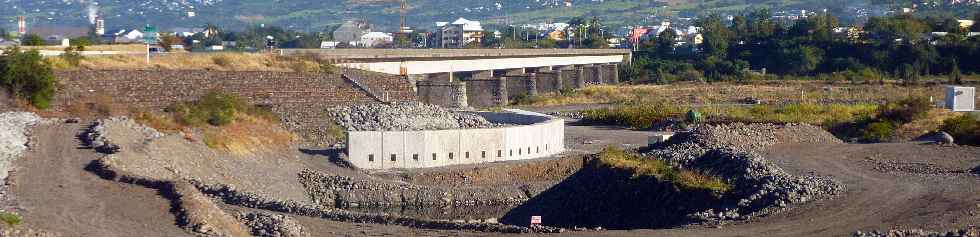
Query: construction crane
(402,9)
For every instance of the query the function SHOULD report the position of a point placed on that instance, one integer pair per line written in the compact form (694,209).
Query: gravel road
(58,195)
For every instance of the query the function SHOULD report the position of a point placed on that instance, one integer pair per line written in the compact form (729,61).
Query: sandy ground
(58,195)
(929,192)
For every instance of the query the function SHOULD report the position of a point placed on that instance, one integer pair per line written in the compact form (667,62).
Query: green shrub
(217,109)
(634,116)
(26,75)
(965,129)
(906,110)
(10,218)
(879,131)
(72,55)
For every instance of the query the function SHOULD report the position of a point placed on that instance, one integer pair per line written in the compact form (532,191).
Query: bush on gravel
(646,167)
(10,218)
(27,76)
(217,109)
(965,129)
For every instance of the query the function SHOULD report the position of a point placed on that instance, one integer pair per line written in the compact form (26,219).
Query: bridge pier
(580,79)
(597,73)
(531,84)
(501,95)
(459,94)
(614,79)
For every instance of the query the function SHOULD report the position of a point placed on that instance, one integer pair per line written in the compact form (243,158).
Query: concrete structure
(961,99)
(484,78)
(537,136)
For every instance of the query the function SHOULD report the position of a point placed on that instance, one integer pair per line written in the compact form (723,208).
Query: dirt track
(914,185)
(58,195)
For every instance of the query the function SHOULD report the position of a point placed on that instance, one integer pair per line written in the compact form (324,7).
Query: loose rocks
(732,152)
(13,137)
(969,232)
(272,225)
(404,117)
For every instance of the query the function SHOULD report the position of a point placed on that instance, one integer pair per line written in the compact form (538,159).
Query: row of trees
(898,46)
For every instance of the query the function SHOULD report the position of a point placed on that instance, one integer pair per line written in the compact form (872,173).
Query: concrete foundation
(543,136)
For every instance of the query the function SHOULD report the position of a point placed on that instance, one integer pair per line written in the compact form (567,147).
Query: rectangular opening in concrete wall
(415,157)
(467,155)
(450,155)
(500,153)
(394,157)
(433,156)
(483,154)
(371,158)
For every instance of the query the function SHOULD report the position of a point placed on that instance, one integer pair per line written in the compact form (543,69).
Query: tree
(666,41)
(27,76)
(716,36)
(32,40)
(801,60)
(955,76)
(168,40)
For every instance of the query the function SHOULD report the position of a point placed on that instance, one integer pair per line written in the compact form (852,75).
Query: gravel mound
(14,128)
(404,117)
(272,225)
(732,152)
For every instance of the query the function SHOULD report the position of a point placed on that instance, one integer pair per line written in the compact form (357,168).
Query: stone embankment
(733,153)
(272,225)
(408,116)
(14,137)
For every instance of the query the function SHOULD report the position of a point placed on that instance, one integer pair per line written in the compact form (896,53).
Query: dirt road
(875,198)
(58,195)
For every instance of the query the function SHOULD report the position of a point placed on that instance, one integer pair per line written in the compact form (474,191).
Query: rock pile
(14,137)
(272,225)
(732,152)
(404,117)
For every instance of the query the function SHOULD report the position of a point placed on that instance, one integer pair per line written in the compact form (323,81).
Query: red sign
(535,220)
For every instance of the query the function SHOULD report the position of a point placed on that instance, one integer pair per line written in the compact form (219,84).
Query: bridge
(480,77)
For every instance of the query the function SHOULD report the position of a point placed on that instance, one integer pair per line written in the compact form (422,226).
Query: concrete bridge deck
(362,55)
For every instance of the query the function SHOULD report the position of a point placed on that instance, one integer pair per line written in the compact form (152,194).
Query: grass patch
(10,218)
(644,116)
(965,129)
(645,167)
(227,122)
(773,92)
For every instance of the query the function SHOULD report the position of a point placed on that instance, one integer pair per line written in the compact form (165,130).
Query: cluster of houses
(456,34)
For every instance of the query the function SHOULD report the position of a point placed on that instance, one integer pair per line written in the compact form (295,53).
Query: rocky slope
(404,117)
(732,152)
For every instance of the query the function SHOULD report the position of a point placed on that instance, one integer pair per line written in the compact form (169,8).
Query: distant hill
(314,15)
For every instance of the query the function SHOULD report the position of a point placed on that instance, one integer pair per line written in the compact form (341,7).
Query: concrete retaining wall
(423,149)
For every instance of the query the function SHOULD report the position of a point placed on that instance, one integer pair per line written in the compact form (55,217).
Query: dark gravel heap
(404,117)
(271,225)
(732,152)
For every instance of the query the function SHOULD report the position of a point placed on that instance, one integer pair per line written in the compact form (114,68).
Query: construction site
(460,150)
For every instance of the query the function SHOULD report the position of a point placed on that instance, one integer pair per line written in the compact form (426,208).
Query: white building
(459,33)
(373,39)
